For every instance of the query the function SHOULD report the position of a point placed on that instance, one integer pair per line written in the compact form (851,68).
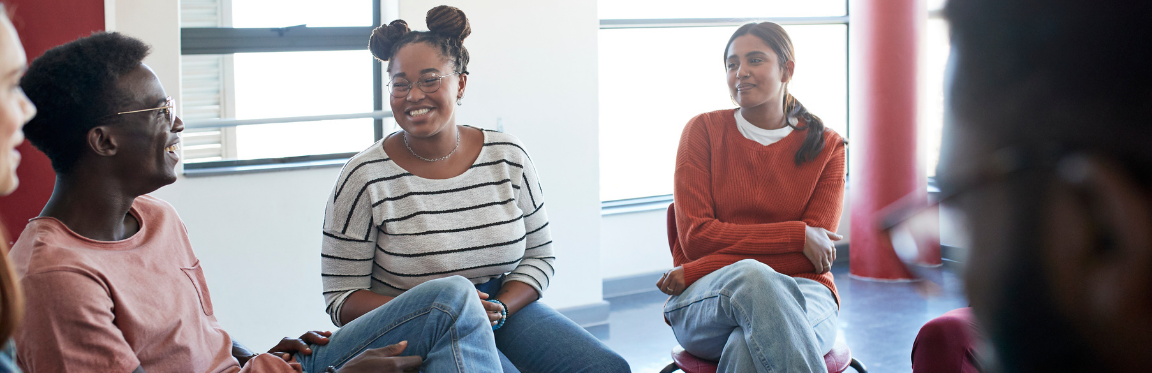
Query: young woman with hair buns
(438,200)
(758,194)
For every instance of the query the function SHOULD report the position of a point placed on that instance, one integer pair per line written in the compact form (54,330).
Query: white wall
(157,23)
(258,239)
(534,65)
(258,235)
(634,243)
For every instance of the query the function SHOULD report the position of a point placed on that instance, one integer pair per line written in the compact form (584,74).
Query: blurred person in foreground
(15,110)
(1048,155)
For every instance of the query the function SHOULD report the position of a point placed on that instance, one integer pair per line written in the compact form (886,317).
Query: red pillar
(883,160)
(42,24)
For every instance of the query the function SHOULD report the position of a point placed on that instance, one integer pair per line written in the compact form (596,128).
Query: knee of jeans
(751,269)
(454,289)
(751,273)
(752,266)
(459,283)
(611,362)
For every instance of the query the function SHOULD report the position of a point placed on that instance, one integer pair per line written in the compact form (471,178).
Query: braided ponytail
(814,139)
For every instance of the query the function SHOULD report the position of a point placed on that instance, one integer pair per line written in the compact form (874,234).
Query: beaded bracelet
(503,313)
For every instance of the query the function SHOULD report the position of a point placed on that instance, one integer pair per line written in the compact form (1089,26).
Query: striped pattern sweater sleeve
(737,199)
(536,267)
(386,230)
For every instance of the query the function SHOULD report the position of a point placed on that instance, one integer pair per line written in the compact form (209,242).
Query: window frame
(660,202)
(231,40)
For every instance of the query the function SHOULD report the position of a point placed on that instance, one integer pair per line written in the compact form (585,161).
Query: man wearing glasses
(1048,155)
(111,280)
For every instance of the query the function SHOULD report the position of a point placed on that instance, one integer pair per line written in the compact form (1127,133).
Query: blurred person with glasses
(758,195)
(1047,157)
(439,201)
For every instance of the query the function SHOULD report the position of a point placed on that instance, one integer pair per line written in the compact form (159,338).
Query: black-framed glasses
(913,222)
(429,82)
(168,109)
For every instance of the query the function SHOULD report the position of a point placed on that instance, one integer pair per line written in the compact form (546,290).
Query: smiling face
(419,113)
(146,142)
(755,76)
(15,109)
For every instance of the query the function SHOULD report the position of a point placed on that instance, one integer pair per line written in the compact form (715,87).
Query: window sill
(642,204)
(250,166)
(625,206)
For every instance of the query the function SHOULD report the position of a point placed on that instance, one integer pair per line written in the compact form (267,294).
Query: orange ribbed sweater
(737,199)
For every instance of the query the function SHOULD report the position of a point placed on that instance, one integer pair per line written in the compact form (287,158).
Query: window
(264,80)
(719,9)
(659,68)
(935,50)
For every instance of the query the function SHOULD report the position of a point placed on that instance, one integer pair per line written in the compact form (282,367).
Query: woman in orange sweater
(758,195)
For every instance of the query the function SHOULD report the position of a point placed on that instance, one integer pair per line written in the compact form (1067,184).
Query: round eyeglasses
(428,83)
(168,110)
(913,222)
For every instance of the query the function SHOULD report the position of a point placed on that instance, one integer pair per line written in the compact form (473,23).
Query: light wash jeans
(754,319)
(537,339)
(442,320)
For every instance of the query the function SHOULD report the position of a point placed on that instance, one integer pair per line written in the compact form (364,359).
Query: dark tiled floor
(878,320)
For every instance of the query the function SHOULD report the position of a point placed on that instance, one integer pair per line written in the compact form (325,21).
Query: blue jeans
(754,319)
(537,339)
(442,320)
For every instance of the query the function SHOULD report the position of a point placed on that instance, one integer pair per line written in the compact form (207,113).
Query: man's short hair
(1073,72)
(73,86)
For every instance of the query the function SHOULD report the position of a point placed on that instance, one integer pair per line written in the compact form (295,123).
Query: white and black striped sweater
(388,230)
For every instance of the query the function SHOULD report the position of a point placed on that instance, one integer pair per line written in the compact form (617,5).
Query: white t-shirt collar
(757,134)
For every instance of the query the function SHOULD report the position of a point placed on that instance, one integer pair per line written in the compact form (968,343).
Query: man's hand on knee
(384,359)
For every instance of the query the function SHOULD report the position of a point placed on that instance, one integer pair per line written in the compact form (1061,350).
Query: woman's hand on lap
(494,311)
(819,247)
(672,283)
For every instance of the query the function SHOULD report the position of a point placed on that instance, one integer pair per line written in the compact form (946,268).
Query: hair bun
(385,36)
(449,22)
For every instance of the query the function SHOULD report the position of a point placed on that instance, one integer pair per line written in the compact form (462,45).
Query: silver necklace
(437,159)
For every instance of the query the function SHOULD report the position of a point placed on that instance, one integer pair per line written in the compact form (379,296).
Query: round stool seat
(691,364)
(837,360)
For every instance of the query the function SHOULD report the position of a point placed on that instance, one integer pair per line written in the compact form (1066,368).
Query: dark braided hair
(775,36)
(447,28)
